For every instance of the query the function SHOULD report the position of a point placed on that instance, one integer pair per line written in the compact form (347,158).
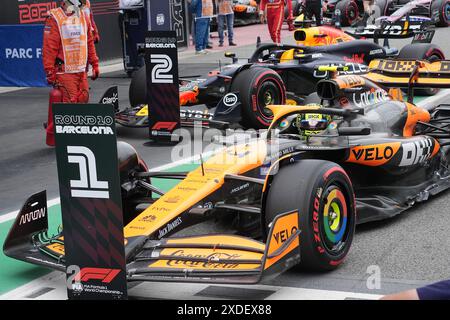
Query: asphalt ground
(409,250)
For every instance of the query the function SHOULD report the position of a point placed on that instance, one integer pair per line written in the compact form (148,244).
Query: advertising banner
(163,98)
(21,56)
(179,22)
(89,183)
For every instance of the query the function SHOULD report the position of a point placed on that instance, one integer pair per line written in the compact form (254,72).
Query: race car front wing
(218,258)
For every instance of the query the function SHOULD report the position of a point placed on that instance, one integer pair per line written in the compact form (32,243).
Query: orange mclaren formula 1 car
(289,197)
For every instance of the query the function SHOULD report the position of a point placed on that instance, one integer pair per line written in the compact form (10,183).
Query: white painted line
(187,291)
(53,280)
(180,291)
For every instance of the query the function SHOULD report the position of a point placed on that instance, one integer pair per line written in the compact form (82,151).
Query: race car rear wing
(402,73)
(410,74)
(420,31)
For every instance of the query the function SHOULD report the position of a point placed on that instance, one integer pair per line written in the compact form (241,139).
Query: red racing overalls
(275,16)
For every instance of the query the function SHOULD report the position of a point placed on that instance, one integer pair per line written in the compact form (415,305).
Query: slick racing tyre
(322,193)
(258,88)
(422,51)
(349,12)
(138,88)
(440,9)
(129,163)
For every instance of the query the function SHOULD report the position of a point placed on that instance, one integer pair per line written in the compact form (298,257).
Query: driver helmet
(312,123)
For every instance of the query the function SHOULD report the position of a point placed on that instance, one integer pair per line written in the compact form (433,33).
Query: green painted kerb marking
(14,273)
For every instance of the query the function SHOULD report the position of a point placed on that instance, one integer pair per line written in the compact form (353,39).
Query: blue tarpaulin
(21,56)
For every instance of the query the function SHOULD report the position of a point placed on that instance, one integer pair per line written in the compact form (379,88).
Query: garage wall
(35,11)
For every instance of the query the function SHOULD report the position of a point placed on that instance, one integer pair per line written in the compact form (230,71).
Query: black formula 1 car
(291,196)
(278,74)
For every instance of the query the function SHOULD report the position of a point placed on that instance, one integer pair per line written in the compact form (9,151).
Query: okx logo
(88,186)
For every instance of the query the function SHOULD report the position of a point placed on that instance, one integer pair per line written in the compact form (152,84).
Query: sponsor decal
(169,227)
(416,152)
(212,259)
(283,229)
(174,199)
(240,188)
(195,114)
(371,97)
(315,221)
(111,100)
(185,188)
(393,30)
(282,236)
(353,68)
(148,218)
(392,65)
(375,52)
(407,66)
(230,100)
(357,58)
(350,81)
(373,155)
(32,216)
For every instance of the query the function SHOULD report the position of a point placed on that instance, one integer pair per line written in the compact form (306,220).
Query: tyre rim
(335,224)
(447,11)
(268,95)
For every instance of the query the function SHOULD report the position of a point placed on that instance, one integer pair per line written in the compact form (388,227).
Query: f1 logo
(75,276)
(161,70)
(164,125)
(87,186)
(105,275)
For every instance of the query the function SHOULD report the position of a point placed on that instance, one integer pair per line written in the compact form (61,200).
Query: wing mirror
(232,56)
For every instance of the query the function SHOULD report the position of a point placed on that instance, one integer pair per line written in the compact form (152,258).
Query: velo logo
(87,186)
(162,68)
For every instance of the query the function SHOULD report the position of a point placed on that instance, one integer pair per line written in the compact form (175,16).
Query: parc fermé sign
(21,56)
